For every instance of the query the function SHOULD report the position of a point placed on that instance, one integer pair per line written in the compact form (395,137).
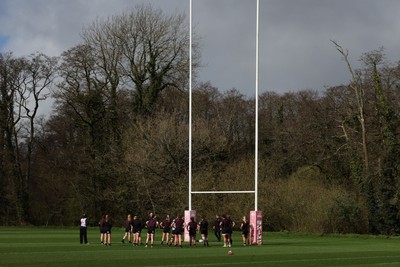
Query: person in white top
(83,229)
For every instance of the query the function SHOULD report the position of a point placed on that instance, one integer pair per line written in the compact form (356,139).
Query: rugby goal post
(256,216)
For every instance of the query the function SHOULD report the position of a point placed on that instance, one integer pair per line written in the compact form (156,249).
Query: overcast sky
(295,48)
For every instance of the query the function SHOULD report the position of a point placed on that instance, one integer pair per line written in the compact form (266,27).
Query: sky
(295,51)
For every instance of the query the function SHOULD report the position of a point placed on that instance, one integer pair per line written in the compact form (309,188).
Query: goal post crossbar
(224,192)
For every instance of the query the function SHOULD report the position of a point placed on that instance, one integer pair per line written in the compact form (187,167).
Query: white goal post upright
(256,217)
(190,104)
(256,117)
(190,213)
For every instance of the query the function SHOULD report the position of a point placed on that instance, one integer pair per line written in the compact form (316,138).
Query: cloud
(295,48)
(299,52)
(228,36)
(3,41)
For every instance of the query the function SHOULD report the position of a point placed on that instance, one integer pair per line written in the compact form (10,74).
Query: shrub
(347,215)
(305,203)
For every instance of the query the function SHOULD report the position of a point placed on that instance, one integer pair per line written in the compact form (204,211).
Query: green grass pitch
(23,246)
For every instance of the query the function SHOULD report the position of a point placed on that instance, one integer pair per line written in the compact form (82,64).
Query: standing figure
(102,231)
(173,232)
(192,228)
(151,224)
(83,229)
(179,224)
(244,227)
(203,227)
(128,230)
(136,229)
(166,227)
(226,225)
(232,228)
(107,230)
(217,227)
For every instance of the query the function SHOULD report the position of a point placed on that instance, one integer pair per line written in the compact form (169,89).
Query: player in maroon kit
(136,229)
(128,229)
(192,228)
(107,230)
(166,227)
(102,230)
(151,229)
(179,226)
(203,227)
(227,228)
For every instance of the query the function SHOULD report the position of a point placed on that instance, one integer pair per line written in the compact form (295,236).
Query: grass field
(60,247)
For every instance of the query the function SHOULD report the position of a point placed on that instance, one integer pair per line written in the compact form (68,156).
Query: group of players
(173,229)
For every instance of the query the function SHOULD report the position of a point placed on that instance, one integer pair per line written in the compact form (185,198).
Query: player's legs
(180,240)
(108,239)
(163,237)
(147,239)
(125,236)
(167,237)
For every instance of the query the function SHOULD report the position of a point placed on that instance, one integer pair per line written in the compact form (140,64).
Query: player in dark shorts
(173,232)
(244,227)
(151,224)
(232,228)
(166,227)
(102,230)
(217,227)
(136,229)
(227,227)
(192,228)
(128,230)
(179,224)
(203,226)
(107,230)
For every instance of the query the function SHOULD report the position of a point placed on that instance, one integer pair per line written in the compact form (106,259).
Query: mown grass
(60,247)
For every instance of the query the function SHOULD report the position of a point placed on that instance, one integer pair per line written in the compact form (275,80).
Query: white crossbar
(223,192)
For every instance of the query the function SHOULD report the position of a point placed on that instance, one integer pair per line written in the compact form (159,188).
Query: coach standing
(83,229)
(217,227)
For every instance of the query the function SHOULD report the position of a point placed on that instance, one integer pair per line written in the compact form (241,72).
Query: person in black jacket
(217,227)
(244,227)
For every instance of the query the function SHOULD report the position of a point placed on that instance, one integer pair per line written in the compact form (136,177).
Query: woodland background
(116,140)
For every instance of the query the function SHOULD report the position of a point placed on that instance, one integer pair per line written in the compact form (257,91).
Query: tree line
(116,140)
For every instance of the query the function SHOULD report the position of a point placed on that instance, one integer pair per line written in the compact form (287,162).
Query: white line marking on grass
(279,261)
(387,263)
(208,264)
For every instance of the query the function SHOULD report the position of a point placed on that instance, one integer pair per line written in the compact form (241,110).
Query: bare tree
(357,88)
(144,48)
(11,77)
(24,84)
(39,73)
